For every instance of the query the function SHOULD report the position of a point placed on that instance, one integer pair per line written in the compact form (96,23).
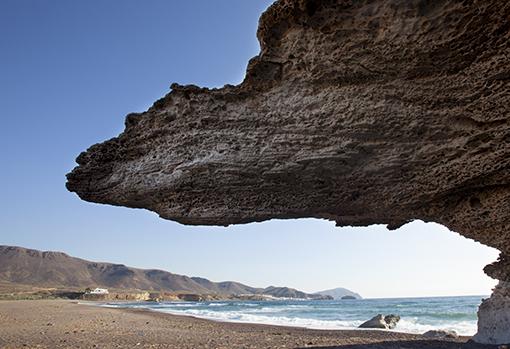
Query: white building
(98,291)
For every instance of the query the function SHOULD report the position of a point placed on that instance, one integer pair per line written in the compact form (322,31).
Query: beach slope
(67,324)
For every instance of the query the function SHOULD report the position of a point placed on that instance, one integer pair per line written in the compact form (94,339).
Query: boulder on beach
(441,334)
(375,322)
(387,322)
(392,321)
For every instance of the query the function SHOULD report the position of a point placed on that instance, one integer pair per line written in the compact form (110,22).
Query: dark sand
(66,324)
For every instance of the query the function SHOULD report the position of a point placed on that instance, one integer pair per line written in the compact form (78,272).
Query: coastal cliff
(362,112)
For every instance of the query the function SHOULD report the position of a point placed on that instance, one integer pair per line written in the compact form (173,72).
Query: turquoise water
(418,315)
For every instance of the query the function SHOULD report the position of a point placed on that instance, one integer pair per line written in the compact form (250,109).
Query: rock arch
(362,112)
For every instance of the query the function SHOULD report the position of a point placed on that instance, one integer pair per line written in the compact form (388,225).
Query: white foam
(244,317)
(269,315)
(412,325)
(408,325)
(216,304)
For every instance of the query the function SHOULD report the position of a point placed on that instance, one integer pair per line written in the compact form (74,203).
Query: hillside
(338,293)
(22,266)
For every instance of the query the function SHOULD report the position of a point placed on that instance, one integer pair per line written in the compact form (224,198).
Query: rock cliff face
(362,112)
(494,317)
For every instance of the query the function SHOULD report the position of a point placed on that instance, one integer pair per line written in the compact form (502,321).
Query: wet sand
(67,324)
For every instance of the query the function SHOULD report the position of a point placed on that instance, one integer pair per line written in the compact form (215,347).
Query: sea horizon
(419,297)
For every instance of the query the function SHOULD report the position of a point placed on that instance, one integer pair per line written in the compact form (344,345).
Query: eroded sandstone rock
(362,112)
(494,317)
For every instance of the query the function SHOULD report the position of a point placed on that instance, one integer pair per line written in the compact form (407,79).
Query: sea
(418,315)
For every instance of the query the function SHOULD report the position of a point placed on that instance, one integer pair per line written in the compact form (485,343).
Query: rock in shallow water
(376,322)
(392,320)
(388,322)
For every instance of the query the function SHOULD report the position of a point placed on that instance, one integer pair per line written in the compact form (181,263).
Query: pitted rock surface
(372,112)
(362,112)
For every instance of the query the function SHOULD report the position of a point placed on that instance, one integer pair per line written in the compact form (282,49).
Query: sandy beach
(67,324)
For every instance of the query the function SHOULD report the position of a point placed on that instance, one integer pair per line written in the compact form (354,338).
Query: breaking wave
(418,315)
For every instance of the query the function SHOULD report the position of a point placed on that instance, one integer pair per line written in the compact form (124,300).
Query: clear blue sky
(69,73)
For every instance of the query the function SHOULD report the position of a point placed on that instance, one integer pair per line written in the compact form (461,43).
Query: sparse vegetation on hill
(34,274)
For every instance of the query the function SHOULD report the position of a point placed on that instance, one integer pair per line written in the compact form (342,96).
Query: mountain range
(22,266)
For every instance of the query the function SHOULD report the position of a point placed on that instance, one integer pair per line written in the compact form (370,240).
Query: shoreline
(170,313)
(67,324)
(269,322)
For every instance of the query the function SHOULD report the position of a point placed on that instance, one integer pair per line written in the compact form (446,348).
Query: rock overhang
(361,112)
